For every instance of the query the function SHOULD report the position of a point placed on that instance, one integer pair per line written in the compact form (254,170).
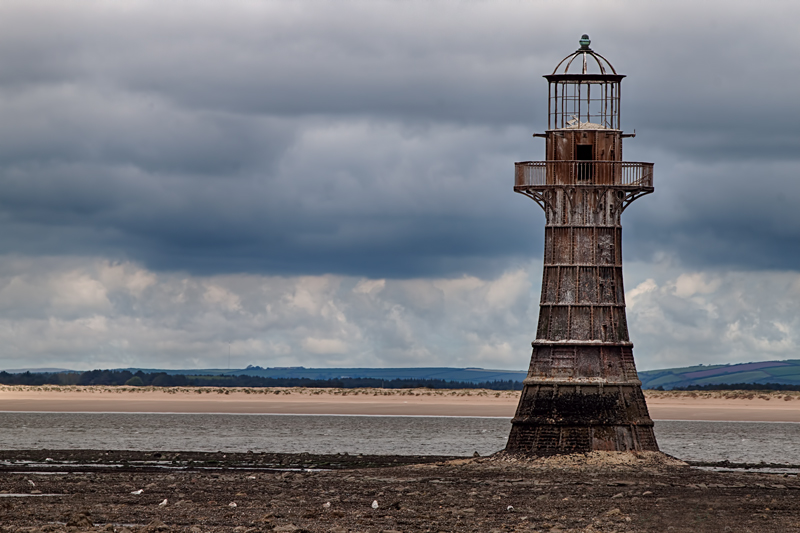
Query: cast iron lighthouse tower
(582,392)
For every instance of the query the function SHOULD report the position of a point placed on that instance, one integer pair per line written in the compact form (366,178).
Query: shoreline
(719,406)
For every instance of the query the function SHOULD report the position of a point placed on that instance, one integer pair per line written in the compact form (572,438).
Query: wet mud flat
(60,491)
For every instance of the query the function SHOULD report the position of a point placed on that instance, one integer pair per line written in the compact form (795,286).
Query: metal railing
(619,173)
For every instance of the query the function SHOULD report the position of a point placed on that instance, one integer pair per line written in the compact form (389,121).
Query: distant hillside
(783,372)
(466,375)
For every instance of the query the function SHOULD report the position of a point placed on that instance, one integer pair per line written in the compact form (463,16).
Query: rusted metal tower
(582,392)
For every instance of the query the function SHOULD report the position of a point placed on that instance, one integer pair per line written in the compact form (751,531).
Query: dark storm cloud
(377,139)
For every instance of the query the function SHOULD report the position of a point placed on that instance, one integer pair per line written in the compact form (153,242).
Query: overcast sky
(330,183)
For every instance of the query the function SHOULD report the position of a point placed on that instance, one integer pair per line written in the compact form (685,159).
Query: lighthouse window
(584,153)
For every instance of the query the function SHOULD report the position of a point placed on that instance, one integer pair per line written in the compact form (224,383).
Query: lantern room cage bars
(575,103)
(584,99)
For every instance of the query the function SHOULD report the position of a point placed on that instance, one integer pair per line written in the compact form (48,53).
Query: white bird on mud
(232,504)
(137,492)
(374,504)
(163,504)
(326,505)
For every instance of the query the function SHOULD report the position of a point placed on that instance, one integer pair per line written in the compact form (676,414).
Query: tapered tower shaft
(582,392)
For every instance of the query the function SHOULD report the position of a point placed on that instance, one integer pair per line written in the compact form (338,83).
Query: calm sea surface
(737,442)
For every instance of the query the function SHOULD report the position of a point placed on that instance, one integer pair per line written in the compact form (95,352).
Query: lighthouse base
(563,417)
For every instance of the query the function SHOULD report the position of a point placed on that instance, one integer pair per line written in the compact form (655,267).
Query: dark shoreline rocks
(91,490)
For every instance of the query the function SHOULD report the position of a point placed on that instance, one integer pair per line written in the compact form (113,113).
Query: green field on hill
(778,372)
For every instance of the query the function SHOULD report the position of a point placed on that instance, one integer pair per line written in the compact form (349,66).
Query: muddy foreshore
(91,490)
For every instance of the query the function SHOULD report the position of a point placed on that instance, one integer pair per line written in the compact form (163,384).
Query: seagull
(163,504)
(137,492)
(232,504)
(374,504)
(326,505)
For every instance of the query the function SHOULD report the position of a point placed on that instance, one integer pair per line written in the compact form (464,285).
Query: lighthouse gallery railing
(616,173)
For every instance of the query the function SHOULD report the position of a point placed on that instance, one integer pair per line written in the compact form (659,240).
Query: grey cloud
(733,214)
(680,318)
(88,313)
(93,313)
(378,140)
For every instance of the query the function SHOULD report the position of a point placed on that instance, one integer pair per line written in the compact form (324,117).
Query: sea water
(738,442)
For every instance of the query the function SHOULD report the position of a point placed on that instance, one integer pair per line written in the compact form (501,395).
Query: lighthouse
(582,392)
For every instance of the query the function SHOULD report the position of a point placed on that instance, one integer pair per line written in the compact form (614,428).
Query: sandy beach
(663,405)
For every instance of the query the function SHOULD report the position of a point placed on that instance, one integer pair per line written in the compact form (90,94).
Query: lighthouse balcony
(623,174)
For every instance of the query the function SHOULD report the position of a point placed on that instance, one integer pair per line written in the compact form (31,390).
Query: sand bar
(738,407)
(259,401)
(723,406)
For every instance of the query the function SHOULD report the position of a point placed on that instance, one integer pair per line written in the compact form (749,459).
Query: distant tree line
(737,386)
(162,379)
(38,378)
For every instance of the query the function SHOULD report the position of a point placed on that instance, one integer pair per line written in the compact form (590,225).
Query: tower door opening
(583,152)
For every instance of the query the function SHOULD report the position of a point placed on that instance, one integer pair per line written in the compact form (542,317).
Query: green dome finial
(585,42)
